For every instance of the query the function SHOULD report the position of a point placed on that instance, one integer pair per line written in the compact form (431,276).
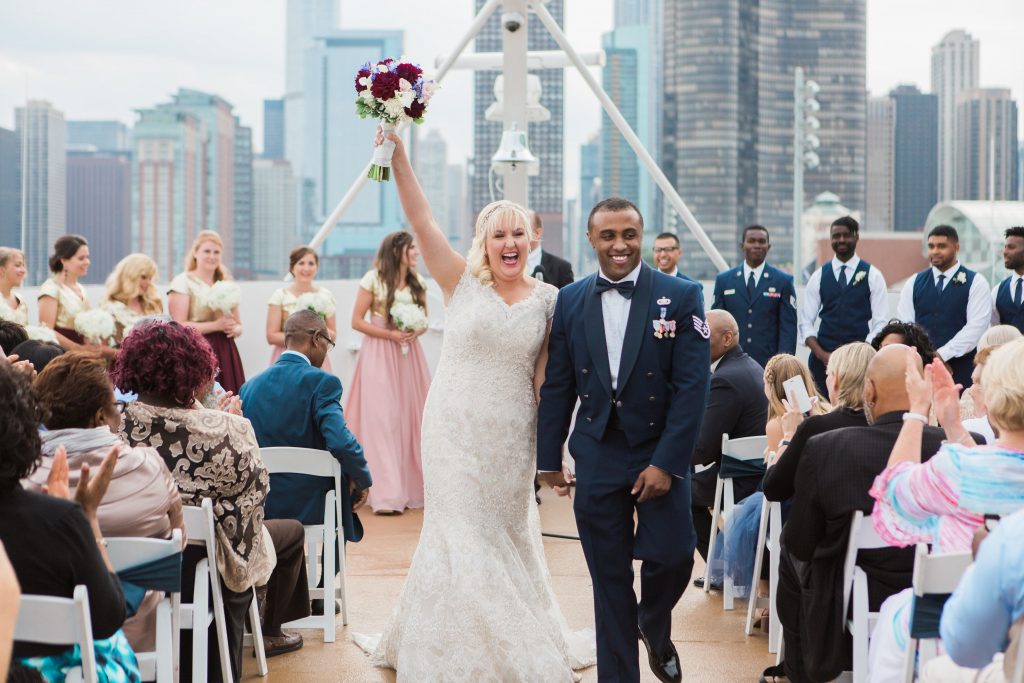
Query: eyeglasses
(665,250)
(318,334)
(120,406)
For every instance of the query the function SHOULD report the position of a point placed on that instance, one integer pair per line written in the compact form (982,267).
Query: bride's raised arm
(444,263)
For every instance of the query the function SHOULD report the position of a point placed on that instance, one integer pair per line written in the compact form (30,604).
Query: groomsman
(667,252)
(1008,295)
(845,300)
(760,297)
(544,265)
(951,302)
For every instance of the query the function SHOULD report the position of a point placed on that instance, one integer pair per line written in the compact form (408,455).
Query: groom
(632,345)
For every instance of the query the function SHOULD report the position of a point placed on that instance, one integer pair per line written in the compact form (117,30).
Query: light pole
(804,143)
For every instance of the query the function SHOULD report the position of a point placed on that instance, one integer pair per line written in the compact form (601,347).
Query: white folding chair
(746,450)
(329,536)
(60,621)
(160,665)
(768,534)
(1018,664)
(858,618)
(197,615)
(936,576)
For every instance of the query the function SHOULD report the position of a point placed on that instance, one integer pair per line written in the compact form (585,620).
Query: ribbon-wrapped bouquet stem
(394,91)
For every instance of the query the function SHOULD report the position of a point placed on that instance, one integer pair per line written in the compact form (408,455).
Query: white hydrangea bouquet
(320,302)
(409,318)
(96,325)
(223,297)
(41,333)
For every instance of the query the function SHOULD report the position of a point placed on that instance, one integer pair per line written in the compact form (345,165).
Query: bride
(477,604)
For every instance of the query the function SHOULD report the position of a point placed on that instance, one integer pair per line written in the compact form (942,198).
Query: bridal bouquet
(41,333)
(408,318)
(95,325)
(393,91)
(320,302)
(223,297)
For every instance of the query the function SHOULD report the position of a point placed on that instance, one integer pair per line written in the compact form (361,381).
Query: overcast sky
(101,59)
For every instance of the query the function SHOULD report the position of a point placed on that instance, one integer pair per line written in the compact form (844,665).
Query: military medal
(662,327)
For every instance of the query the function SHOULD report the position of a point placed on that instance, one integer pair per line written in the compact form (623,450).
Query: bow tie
(625,288)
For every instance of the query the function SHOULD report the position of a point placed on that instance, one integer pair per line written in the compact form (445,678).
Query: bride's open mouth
(510,258)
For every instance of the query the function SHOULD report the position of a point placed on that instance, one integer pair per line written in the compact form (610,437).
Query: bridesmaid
(389,388)
(186,304)
(12,273)
(131,294)
(62,298)
(303,264)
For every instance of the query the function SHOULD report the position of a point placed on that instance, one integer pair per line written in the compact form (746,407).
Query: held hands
(652,483)
(91,489)
(559,481)
(401,336)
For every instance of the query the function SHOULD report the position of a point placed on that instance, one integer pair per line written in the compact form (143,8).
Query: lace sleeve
(465,282)
(549,294)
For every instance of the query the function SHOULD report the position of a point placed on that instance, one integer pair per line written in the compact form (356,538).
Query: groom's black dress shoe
(666,668)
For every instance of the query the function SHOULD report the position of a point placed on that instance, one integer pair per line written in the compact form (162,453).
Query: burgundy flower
(416,109)
(363,73)
(409,72)
(384,85)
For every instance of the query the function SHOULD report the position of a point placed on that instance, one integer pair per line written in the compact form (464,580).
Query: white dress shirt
(979,311)
(747,270)
(809,322)
(615,310)
(533,259)
(1014,279)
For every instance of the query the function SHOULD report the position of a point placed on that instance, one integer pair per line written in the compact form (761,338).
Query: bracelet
(102,541)
(784,442)
(915,416)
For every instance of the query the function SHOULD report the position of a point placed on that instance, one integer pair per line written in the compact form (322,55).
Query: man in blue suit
(761,298)
(631,344)
(295,403)
(1008,295)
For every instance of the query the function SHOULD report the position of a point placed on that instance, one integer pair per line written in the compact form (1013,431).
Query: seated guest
(832,481)
(908,334)
(295,403)
(11,335)
(976,395)
(37,353)
(55,544)
(213,454)
(80,415)
(779,369)
(943,501)
(844,380)
(996,335)
(737,406)
(984,613)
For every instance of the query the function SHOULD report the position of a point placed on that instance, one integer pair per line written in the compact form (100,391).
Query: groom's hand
(557,481)
(651,483)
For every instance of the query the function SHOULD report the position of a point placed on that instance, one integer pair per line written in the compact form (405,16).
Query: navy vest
(1008,313)
(942,314)
(845,314)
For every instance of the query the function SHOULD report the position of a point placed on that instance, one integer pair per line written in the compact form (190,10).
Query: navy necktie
(842,277)
(942,283)
(750,284)
(1018,295)
(625,288)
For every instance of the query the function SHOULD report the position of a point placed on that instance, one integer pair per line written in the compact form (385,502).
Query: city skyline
(62,53)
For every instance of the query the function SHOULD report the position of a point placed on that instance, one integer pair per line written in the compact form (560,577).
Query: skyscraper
(727,118)
(881,124)
(986,145)
(337,147)
(635,12)
(916,157)
(99,207)
(44,183)
(545,138)
(104,136)
(243,237)
(10,190)
(304,20)
(273,216)
(955,68)
(273,129)
(169,185)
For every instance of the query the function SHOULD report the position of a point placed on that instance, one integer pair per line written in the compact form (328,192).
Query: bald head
(725,332)
(303,321)
(886,388)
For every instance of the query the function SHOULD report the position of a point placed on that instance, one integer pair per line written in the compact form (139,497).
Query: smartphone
(796,394)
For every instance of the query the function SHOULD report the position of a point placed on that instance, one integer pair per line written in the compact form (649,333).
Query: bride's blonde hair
(491,216)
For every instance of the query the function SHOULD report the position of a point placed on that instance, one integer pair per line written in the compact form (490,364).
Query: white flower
(383,68)
(409,317)
(41,333)
(367,96)
(320,302)
(961,278)
(429,88)
(365,82)
(404,85)
(859,276)
(394,108)
(406,98)
(95,325)
(223,297)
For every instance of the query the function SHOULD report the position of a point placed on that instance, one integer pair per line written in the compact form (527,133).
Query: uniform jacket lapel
(636,326)
(593,323)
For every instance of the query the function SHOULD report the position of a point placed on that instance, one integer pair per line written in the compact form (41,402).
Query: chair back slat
(290,460)
(199,523)
(746,448)
(126,551)
(50,620)
(938,573)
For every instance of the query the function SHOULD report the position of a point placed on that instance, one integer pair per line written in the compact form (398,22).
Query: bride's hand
(392,137)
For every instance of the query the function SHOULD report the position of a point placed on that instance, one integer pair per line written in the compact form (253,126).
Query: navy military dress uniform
(954,306)
(764,308)
(1008,302)
(647,413)
(841,308)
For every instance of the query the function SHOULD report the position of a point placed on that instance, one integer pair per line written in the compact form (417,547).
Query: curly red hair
(164,358)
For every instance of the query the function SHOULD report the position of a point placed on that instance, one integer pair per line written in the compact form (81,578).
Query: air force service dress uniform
(763,301)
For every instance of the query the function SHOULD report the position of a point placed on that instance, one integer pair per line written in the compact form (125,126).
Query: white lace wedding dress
(477,604)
